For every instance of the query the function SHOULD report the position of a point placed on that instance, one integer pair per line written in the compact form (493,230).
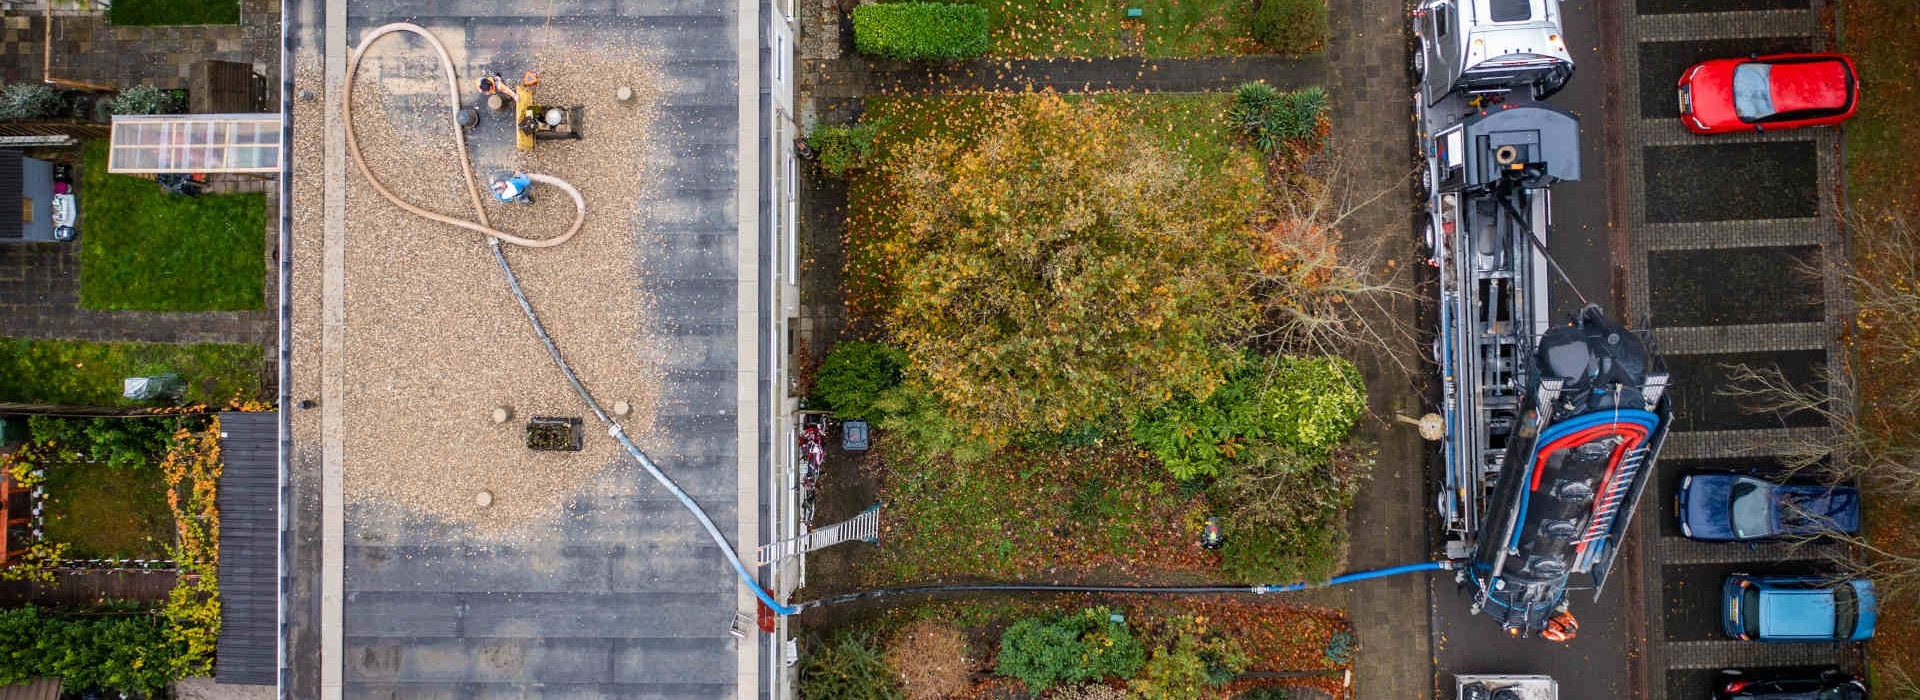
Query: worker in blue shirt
(512,187)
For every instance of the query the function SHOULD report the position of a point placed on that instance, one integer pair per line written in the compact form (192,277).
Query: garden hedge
(920,31)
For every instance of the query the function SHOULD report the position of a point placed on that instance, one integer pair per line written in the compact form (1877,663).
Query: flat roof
(620,595)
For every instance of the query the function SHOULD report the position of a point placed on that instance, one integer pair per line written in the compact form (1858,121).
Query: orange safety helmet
(1561,628)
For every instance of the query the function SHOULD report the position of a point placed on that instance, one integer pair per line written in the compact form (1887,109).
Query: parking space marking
(1764,337)
(1716,654)
(1714,235)
(1670,132)
(1683,551)
(1721,443)
(1726,25)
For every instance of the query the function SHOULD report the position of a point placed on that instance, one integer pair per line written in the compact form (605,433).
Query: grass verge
(105,513)
(163,12)
(1053,515)
(146,250)
(1084,28)
(81,373)
(1881,176)
(1163,29)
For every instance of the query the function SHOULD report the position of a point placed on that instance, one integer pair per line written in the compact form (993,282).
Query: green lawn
(80,373)
(146,250)
(1090,28)
(138,12)
(104,513)
(1165,29)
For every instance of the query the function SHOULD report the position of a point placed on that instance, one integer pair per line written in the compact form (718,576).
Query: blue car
(1718,507)
(1796,608)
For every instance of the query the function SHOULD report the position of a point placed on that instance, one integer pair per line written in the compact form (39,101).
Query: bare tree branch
(1325,293)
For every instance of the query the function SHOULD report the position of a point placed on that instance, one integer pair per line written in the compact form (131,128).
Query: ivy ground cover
(1037,515)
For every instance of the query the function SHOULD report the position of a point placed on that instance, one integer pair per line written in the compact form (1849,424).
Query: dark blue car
(1718,507)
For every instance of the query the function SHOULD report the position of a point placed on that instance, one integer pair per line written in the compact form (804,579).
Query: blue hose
(740,568)
(1360,576)
(613,429)
(1174,590)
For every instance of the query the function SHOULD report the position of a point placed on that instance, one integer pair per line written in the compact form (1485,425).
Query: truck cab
(1490,48)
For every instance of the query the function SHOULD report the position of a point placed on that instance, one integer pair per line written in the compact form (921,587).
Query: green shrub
(1284,512)
(1300,403)
(1292,27)
(123,443)
(1269,117)
(840,148)
(1259,553)
(853,376)
(920,31)
(125,653)
(916,415)
(1086,646)
(26,101)
(1188,663)
(147,99)
(850,668)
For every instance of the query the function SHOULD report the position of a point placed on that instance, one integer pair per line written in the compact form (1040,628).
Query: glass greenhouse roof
(195,143)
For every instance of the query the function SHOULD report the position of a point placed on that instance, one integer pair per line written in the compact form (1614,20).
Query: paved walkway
(88,49)
(70,589)
(1368,88)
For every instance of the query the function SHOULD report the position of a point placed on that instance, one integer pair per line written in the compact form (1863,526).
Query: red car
(1787,91)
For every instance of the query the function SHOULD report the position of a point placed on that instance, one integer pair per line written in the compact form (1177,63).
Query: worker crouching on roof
(512,187)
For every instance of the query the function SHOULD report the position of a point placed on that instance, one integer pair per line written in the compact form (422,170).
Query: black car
(1823,684)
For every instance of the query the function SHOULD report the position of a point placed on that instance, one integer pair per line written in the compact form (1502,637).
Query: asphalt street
(1594,665)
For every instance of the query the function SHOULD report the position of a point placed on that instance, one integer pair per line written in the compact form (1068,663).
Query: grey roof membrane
(629,599)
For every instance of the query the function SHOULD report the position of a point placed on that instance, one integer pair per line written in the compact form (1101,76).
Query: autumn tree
(1063,266)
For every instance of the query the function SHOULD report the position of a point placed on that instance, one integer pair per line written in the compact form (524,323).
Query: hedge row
(914,31)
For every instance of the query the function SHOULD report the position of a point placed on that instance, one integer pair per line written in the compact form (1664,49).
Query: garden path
(84,588)
(1368,86)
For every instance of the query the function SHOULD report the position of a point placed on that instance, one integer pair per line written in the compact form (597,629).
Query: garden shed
(26,186)
(249,502)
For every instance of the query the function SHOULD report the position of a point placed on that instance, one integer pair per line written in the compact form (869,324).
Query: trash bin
(853,436)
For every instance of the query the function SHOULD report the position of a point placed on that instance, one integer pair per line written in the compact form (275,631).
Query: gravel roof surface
(434,340)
